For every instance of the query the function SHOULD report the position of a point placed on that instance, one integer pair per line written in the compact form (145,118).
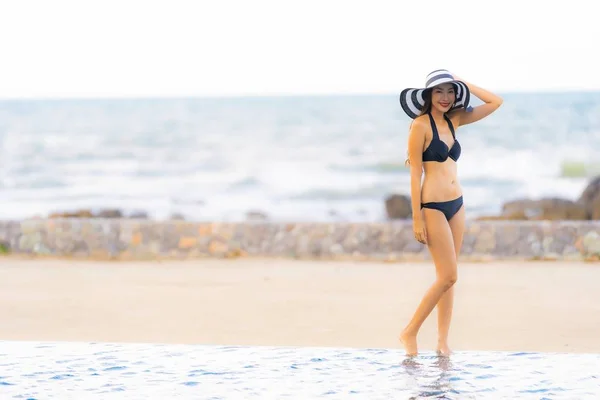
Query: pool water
(64,370)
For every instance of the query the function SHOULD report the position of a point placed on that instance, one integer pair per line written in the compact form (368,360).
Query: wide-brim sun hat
(411,99)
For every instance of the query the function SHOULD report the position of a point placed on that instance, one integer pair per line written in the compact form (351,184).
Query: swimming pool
(64,370)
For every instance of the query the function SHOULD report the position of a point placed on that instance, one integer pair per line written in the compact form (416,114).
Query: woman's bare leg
(441,246)
(446,303)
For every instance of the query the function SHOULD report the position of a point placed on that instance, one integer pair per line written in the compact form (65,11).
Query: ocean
(302,158)
(63,370)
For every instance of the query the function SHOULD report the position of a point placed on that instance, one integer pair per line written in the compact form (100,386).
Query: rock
(512,215)
(103,213)
(591,246)
(398,206)
(590,198)
(255,215)
(187,242)
(138,215)
(109,213)
(549,208)
(595,209)
(489,218)
(235,253)
(72,214)
(218,247)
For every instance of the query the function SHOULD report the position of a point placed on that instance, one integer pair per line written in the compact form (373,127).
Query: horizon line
(226,96)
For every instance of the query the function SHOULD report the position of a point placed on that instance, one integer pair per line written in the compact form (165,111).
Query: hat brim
(411,99)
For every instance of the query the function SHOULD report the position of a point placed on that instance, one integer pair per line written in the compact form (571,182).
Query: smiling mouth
(444,104)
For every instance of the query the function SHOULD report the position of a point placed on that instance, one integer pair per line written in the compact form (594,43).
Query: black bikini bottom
(449,208)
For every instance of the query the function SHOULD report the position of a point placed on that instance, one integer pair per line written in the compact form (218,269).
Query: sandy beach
(527,306)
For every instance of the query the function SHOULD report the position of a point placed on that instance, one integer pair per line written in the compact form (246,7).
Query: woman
(437,203)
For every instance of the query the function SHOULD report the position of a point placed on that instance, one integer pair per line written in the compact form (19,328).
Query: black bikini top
(437,149)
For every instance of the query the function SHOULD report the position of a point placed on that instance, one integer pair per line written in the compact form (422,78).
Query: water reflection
(431,380)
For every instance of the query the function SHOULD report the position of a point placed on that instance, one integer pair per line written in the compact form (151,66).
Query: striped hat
(411,100)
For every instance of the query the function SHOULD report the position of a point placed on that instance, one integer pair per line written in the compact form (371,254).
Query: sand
(511,306)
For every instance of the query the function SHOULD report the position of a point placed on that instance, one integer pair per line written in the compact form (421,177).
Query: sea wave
(292,157)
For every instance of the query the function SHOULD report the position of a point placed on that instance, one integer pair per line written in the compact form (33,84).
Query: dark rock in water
(103,213)
(138,215)
(549,208)
(72,214)
(519,209)
(590,198)
(398,206)
(177,217)
(255,215)
(110,213)
(595,209)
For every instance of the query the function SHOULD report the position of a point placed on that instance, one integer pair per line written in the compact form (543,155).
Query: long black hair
(427,102)
(424,110)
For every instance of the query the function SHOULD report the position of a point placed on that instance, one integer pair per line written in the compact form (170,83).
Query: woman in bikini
(437,203)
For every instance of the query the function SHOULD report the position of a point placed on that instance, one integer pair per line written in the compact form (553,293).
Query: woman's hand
(474,114)
(456,77)
(419,230)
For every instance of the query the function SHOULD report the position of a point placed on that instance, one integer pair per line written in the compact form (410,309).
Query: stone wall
(389,241)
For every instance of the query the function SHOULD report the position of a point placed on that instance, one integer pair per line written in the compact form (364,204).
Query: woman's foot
(409,341)
(443,349)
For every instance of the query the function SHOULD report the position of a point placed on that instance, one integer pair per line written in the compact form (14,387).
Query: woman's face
(443,97)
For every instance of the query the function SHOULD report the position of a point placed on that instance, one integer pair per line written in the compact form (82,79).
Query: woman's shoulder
(421,122)
(420,128)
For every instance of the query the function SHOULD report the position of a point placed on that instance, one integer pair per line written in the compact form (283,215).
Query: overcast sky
(100,48)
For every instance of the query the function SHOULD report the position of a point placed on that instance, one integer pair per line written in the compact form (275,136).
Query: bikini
(438,151)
